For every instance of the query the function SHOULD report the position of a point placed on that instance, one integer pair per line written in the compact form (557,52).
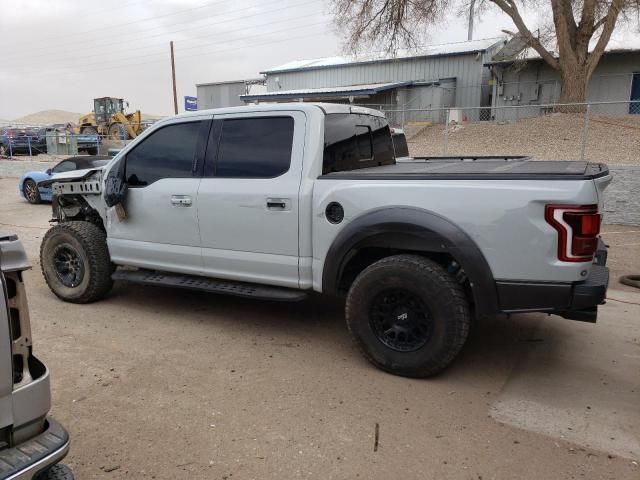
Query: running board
(193,282)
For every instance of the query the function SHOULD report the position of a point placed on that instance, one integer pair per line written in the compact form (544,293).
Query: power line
(30,61)
(199,55)
(111,27)
(163,54)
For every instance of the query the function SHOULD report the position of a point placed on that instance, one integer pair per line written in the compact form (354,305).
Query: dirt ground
(558,136)
(164,384)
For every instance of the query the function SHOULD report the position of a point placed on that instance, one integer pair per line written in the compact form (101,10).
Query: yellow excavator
(109,118)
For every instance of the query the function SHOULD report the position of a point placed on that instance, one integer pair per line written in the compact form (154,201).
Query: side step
(193,282)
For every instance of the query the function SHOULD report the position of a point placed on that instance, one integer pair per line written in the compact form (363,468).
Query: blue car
(28,184)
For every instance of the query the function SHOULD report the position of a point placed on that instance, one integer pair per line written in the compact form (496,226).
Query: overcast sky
(60,54)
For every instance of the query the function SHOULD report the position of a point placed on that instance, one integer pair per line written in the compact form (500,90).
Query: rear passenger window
(353,141)
(363,139)
(255,147)
(167,153)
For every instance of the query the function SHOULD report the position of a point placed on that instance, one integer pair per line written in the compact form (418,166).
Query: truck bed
(476,168)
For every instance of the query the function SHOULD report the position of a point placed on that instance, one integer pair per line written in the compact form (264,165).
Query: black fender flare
(415,229)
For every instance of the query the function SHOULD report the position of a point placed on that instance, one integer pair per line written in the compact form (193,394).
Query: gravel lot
(613,140)
(162,384)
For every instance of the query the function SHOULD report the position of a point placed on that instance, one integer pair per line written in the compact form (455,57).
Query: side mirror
(49,171)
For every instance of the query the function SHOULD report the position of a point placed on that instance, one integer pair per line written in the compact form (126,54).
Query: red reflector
(584,246)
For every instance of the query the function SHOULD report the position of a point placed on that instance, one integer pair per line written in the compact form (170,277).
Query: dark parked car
(33,140)
(15,140)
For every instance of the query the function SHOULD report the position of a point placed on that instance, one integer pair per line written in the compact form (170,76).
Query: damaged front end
(76,196)
(82,195)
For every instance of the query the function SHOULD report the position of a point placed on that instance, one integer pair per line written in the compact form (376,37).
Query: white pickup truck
(274,201)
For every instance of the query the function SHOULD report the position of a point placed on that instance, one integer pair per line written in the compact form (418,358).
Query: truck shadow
(494,347)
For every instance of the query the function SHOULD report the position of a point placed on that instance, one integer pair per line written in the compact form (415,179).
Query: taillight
(578,227)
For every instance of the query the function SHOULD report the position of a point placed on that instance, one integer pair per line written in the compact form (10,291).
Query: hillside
(49,116)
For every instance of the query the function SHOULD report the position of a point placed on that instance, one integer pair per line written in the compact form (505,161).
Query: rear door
(248,201)
(163,173)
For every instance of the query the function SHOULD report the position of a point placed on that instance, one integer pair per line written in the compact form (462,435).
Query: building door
(634,107)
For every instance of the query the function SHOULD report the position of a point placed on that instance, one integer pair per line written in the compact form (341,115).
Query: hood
(72,176)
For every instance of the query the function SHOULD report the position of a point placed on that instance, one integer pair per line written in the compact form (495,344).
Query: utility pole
(173,76)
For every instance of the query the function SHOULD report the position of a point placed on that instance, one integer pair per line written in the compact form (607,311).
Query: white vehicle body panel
(228,231)
(516,241)
(242,237)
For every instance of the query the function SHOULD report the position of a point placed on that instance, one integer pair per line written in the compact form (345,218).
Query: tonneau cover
(477,169)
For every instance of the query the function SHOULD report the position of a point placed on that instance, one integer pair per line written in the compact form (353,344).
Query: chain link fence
(22,142)
(599,131)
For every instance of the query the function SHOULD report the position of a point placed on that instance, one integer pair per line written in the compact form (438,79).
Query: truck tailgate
(477,169)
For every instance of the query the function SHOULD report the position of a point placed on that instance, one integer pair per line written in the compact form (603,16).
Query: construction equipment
(109,118)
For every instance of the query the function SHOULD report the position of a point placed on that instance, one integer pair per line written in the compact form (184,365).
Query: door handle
(181,200)
(279,204)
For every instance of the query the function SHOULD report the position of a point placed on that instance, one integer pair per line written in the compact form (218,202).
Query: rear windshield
(353,141)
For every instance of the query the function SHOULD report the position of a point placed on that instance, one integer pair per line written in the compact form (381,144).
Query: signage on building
(190,104)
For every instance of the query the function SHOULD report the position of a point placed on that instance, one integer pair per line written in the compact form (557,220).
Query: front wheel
(31,192)
(75,262)
(118,131)
(408,315)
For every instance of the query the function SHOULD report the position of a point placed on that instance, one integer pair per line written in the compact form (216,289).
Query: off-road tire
(89,131)
(431,286)
(89,242)
(56,472)
(31,191)
(118,131)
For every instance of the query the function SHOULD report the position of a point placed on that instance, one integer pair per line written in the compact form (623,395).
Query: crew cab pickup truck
(275,201)
(31,443)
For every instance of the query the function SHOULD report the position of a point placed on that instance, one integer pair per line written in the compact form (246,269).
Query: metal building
(437,76)
(226,94)
(524,79)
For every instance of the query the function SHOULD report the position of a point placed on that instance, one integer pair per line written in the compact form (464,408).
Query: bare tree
(577,26)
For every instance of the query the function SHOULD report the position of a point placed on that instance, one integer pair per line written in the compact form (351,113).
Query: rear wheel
(408,315)
(31,192)
(75,262)
(4,151)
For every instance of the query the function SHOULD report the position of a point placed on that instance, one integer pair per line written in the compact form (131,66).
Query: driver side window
(169,152)
(65,166)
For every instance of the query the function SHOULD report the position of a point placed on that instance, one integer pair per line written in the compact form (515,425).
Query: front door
(248,201)
(160,230)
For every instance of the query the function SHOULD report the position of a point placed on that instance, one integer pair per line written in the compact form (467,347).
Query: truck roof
(327,108)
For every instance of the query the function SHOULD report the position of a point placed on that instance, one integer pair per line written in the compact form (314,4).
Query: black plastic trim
(461,176)
(575,301)
(414,229)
